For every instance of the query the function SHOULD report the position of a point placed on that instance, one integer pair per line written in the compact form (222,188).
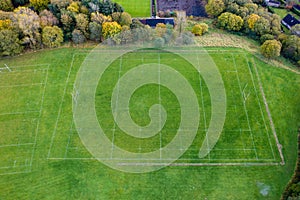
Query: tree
(95,31)
(78,37)
(110,29)
(230,21)
(266,37)
(47,19)
(160,29)
(18,3)
(200,29)
(125,19)
(6,5)
(296,30)
(214,7)
(29,24)
(82,24)
(291,47)
(5,24)
(271,48)
(252,20)
(100,18)
(52,36)
(61,3)
(68,25)
(262,26)
(73,7)
(39,4)
(9,43)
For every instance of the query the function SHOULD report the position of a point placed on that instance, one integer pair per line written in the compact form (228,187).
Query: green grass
(140,8)
(37,112)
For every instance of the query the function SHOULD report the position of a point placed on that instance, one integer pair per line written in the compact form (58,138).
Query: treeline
(247,17)
(33,24)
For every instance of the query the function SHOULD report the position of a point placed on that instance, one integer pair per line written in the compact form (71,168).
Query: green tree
(125,19)
(6,5)
(271,48)
(9,43)
(39,5)
(29,24)
(262,26)
(214,7)
(52,36)
(266,37)
(291,47)
(230,21)
(110,29)
(200,29)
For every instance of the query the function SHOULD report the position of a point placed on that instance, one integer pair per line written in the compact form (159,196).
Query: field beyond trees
(42,156)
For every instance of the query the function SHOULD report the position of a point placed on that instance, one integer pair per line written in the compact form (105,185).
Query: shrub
(78,37)
(9,43)
(6,5)
(200,29)
(271,48)
(39,4)
(159,42)
(110,29)
(52,36)
(47,19)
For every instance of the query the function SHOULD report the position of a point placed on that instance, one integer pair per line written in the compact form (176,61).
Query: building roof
(297,7)
(290,20)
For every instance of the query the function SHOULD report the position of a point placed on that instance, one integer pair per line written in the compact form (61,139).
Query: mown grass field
(136,8)
(42,156)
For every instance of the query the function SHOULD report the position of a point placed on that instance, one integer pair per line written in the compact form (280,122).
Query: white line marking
(260,107)
(60,107)
(245,108)
(39,119)
(16,145)
(279,146)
